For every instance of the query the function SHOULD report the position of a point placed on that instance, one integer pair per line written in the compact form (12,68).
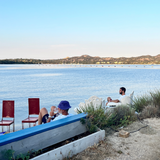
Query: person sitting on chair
(122,91)
(62,109)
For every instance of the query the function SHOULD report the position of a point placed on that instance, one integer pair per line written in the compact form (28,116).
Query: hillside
(86,59)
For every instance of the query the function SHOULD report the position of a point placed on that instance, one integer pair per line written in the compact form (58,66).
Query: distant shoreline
(86,59)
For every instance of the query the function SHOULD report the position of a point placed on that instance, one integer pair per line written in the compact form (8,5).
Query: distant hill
(86,59)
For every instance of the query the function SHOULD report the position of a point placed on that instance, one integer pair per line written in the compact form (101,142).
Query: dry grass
(151,99)
(150,111)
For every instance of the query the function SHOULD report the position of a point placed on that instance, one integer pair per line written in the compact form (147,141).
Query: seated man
(62,109)
(122,91)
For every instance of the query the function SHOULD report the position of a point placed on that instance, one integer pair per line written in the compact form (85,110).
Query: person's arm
(115,101)
(52,117)
(51,114)
(49,119)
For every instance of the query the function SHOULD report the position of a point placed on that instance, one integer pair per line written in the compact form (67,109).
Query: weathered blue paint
(19,135)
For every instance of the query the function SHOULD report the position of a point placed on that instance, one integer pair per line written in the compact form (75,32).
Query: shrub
(102,117)
(96,118)
(8,154)
(150,112)
(155,98)
(150,102)
(139,103)
(122,116)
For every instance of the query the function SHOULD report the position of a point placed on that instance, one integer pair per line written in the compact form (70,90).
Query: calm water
(75,83)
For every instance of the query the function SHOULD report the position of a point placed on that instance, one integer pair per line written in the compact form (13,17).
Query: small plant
(150,112)
(155,97)
(8,154)
(96,118)
(119,151)
(23,156)
(149,103)
(139,103)
(122,116)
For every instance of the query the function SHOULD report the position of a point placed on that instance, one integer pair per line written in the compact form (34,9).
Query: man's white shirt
(62,116)
(121,97)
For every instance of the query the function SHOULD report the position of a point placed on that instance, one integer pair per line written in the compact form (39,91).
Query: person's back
(62,116)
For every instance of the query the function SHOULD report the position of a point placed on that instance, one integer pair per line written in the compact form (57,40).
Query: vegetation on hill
(86,59)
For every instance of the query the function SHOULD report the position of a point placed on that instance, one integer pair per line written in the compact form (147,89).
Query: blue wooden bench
(44,135)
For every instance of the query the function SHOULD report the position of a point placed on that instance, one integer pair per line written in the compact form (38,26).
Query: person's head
(122,90)
(108,99)
(63,107)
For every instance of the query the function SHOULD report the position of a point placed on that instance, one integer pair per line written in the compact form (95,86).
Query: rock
(123,134)
(116,134)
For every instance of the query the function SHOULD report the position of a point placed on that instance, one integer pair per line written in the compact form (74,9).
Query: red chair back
(8,109)
(33,106)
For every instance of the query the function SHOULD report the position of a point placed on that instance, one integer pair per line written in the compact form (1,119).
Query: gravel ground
(141,145)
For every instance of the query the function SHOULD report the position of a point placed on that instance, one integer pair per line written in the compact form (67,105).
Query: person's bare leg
(42,112)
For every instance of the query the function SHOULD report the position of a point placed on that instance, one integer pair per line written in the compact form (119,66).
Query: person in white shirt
(62,109)
(122,91)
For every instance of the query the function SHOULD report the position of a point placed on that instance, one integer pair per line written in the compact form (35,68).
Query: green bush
(139,103)
(96,118)
(155,98)
(122,116)
(147,105)
(152,99)
(8,154)
(102,117)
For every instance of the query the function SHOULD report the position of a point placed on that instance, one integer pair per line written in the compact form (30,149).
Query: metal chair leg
(13,127)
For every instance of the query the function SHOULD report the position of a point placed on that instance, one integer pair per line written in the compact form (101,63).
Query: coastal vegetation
(102,118)
(86,59)
(10,155)
(96,118)
(146,106)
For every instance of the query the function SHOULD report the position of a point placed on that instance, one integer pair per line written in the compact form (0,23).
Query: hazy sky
(49,29)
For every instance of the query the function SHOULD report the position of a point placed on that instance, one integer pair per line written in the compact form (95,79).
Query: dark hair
(123,89)
(66,110)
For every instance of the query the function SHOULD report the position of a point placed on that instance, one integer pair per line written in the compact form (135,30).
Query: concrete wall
(42,136)
(72,148)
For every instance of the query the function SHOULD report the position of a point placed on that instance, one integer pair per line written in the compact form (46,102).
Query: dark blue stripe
(19,135)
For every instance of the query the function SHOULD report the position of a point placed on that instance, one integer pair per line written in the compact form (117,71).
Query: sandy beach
(140,145)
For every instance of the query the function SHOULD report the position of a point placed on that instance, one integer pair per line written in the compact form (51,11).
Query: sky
(53,29)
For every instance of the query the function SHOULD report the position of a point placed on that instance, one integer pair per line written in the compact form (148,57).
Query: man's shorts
(45,118)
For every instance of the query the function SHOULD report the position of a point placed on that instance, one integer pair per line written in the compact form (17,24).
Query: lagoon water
(75,83)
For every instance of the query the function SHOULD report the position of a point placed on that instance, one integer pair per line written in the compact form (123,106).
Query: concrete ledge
(42,136)
(72,148)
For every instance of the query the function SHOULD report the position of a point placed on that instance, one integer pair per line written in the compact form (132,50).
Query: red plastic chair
(7,112)
(33,107)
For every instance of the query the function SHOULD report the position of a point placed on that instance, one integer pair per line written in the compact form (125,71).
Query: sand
(141,145)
